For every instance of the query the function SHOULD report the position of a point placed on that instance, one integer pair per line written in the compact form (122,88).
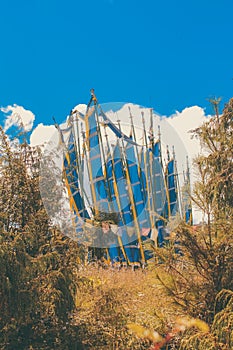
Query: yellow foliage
(145,333)
(183,323)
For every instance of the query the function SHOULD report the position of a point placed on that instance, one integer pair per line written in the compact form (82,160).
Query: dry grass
(108,300)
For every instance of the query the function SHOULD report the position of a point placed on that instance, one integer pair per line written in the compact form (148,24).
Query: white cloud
(80,108)
(19,116)
(183,122)
(43,134)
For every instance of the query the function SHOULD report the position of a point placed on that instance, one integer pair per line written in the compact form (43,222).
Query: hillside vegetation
(51,299)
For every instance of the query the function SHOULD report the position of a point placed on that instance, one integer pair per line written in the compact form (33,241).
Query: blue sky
(164,54)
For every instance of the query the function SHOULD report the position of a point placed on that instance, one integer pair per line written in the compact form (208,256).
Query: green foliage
(203,270)
(201,277)
(37,264)
(213,193)
(221,335)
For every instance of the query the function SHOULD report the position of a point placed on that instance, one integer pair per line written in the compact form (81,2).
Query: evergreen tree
(38,264)
(205,269)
